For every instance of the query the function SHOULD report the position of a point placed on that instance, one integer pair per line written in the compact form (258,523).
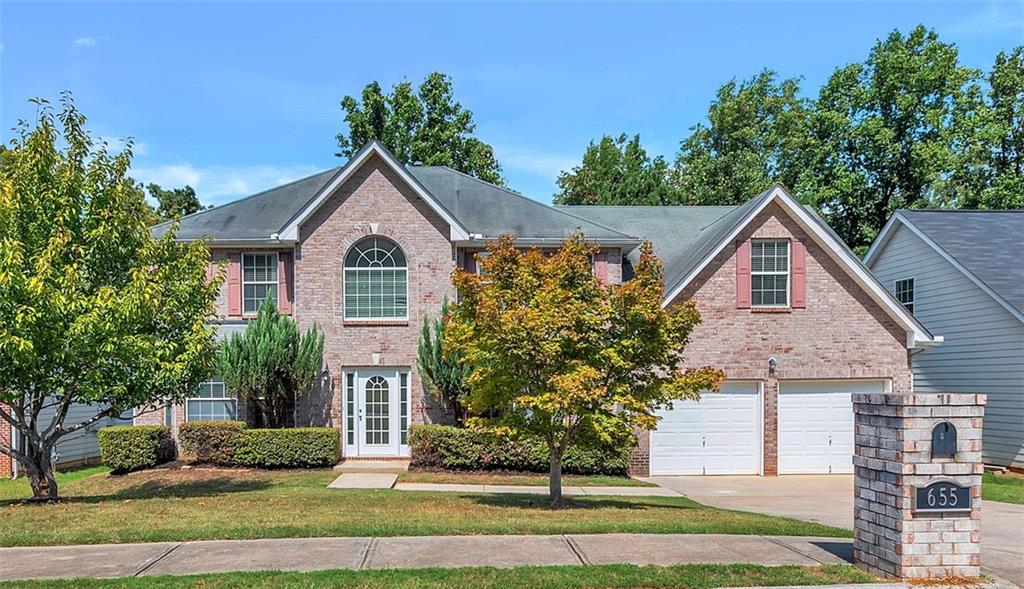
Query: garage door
(816,425)
(720,434)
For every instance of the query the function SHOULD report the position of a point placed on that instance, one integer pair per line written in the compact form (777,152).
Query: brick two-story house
(365,252)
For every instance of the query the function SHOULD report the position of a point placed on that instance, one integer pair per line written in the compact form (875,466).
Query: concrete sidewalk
(307,554)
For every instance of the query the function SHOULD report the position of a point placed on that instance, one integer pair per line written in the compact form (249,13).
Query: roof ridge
(530,200)
(961,210)
(245,198)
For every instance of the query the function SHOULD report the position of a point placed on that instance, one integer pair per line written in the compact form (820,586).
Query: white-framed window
(769,273)
(350,409)
(376,280)
(259,280)
(904,291)
(403,408)
(211,402)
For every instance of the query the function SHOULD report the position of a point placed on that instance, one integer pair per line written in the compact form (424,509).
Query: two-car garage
(723,433)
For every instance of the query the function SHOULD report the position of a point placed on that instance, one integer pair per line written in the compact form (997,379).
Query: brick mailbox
(917,484)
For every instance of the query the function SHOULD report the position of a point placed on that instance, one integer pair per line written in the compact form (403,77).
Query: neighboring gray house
(961,273)
(79,448)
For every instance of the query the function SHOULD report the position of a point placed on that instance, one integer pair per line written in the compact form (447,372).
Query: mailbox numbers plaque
(942,496)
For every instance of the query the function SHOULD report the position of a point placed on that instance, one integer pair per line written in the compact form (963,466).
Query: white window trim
(344,276)
(788,273)
(276,283)
(913,293)
(228,397)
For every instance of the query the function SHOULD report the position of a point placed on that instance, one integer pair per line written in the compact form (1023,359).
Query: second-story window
(259,280)
(904,291)
(376,280)
(769,273)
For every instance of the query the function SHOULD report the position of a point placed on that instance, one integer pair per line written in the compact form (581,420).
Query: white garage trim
(705,437)
(815,424)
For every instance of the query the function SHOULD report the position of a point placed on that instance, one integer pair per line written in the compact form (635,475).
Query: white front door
(816,425)
(720,434)
(376,412)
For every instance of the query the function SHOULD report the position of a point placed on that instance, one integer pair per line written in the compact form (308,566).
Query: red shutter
(469,261)
(209,271)
(601,267)
(234,284)
(743,274)
(285,283)
(799,272)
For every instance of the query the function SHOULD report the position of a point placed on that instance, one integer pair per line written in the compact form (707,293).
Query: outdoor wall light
(772,365)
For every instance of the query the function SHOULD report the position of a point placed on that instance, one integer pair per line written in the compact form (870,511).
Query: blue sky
(236,97)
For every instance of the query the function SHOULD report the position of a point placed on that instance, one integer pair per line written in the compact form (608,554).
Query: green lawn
(1007,487)
(593,577)
(167,505)
(19,489)
(538,480)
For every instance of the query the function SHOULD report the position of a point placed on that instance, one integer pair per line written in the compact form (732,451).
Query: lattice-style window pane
(378,406)
(904,291)
(211,402)
(769,273)
(403,388)
(376,280)
(259,280)
(350,408)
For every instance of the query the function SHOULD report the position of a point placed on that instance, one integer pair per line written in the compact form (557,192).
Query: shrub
(302,447)
(212,442)
(134,447)
(453,448)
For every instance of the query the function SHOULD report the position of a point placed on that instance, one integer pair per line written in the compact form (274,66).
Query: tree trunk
(555,475)
(40,472)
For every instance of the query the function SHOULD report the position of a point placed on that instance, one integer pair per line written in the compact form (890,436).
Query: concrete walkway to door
(828,499)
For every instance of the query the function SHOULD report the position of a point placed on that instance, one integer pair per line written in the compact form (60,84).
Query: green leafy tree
(176,202)
(558,356)
(755,136)
(444,375)
(991,174)
(271,362)
(617,171)
(93,309)
(426,125)
(884,133)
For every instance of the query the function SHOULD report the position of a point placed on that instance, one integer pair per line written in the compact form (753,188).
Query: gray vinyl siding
(984,343)
(82,445)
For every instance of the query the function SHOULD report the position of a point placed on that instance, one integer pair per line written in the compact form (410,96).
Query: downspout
(15,438)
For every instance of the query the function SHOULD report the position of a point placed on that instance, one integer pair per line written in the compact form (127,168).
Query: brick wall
(892,457)
(6,465)
(841,334)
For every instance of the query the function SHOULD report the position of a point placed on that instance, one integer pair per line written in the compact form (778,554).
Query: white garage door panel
(816,425)
(718,435)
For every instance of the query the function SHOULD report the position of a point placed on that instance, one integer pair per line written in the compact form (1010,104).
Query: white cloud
(994,17)
(538,163)
(84,42)
(220,184)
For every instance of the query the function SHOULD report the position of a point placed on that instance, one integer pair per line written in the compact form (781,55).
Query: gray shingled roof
(481,207)
(987,243)
(253,217)
(682,236)
(491,210)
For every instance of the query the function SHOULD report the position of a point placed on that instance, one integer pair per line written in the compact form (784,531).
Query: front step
(373,466)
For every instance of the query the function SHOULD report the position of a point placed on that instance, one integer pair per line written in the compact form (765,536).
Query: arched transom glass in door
(378,411)
(376,280)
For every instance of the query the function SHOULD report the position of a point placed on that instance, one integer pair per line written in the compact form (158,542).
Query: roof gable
(290,231)
(982,245)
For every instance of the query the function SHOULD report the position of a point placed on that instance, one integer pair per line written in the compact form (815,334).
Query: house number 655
(944,499)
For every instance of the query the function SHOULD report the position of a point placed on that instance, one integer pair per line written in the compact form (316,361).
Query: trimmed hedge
(232,443)
(126,448)
(210,442)
(452,448)
(301,447)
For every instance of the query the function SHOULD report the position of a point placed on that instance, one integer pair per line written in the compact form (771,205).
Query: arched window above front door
(376,280)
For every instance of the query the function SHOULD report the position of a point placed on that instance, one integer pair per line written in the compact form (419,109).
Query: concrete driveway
(829,500)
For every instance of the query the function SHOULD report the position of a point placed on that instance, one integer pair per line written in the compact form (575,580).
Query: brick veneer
(892,456)
(841,334)
(6,464)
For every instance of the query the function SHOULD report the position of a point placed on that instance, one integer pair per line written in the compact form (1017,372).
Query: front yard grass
(1007,487)
(528,479)
(564,577)
(19,488)
(170,505)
